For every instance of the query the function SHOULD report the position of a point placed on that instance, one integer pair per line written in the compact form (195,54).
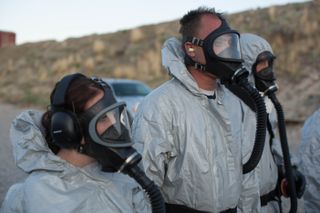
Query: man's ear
(189,50)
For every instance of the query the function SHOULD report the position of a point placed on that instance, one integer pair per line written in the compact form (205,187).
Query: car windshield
(130,89)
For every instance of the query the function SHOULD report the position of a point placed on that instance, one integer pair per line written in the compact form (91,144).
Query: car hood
(131,101)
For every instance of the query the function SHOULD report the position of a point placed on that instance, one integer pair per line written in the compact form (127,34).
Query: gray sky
(37,20)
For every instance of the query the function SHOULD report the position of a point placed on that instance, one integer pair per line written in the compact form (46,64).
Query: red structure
(7,39)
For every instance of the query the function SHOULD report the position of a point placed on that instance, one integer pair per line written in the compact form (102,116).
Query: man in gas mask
(259,59)
(189,128)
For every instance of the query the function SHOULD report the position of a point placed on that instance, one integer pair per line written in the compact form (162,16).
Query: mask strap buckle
(199,66)
(99,81)
(196,41)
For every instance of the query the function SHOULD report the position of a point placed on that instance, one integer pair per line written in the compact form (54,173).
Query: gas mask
(265,78)
(222,52)
(106,130)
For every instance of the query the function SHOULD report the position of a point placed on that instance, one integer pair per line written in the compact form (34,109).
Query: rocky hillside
(28,71)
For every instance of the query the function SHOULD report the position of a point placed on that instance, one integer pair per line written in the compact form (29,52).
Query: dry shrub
(124,72)
(149,65)
(98,47)
(277,42)
(10,65)
(89,65)
(63,64)
(293,31)
(99,59)
(136,35)
(11,93)
(43,75)
(272,11)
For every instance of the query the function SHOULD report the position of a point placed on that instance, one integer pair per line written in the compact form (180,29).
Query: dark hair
(80,91)
(189,23)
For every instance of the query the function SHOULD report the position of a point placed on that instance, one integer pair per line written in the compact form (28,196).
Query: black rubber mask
(222,52)
(265,78)
(106,130)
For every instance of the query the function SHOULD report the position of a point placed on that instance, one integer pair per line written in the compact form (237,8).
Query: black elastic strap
(270,131)
(199,66)
(194,40)
(189,62)
(62,87)
(174,208)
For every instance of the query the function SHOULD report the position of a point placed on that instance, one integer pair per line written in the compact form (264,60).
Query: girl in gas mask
(63,150)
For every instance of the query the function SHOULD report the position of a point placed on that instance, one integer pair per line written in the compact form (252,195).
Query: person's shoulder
(27,119)
(120,179)
(13,199)
(311,128)
(313,120)
(164,89)
(316,115)
(162,95)
(19,192)
(37,180)
(30,114)
(160,104)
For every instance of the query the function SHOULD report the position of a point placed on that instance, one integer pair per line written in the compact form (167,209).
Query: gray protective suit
(309,154)
(251,46)
(191,145)
(54,185)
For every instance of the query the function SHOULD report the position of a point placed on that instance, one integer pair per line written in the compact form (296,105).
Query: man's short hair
(189,23)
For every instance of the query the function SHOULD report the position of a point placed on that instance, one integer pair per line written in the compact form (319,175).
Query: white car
(130,91)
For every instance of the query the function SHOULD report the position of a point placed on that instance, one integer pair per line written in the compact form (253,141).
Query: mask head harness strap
(208,45)
(188,60)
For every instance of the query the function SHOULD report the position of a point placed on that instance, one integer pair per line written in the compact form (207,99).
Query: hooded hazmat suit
(191,145)
(309,155)
(54,185)
(251,46)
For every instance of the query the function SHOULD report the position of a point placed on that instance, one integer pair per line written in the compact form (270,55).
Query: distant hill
(28,71)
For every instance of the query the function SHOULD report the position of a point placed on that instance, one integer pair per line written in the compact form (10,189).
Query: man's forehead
(208,23)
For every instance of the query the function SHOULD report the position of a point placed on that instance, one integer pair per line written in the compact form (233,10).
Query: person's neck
(75,158)
(204,80)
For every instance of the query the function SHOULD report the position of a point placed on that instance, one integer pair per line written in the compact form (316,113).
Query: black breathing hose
(156,199)
(285,152)
(261,115)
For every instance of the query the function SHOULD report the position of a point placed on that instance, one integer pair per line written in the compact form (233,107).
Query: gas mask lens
(111,127)
(265,56)
(227,46)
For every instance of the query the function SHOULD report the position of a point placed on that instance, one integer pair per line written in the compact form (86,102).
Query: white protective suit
(54,185)
(309,154)
(251,46)
(191,145)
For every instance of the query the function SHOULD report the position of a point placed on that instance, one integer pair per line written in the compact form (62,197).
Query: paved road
(9,173)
